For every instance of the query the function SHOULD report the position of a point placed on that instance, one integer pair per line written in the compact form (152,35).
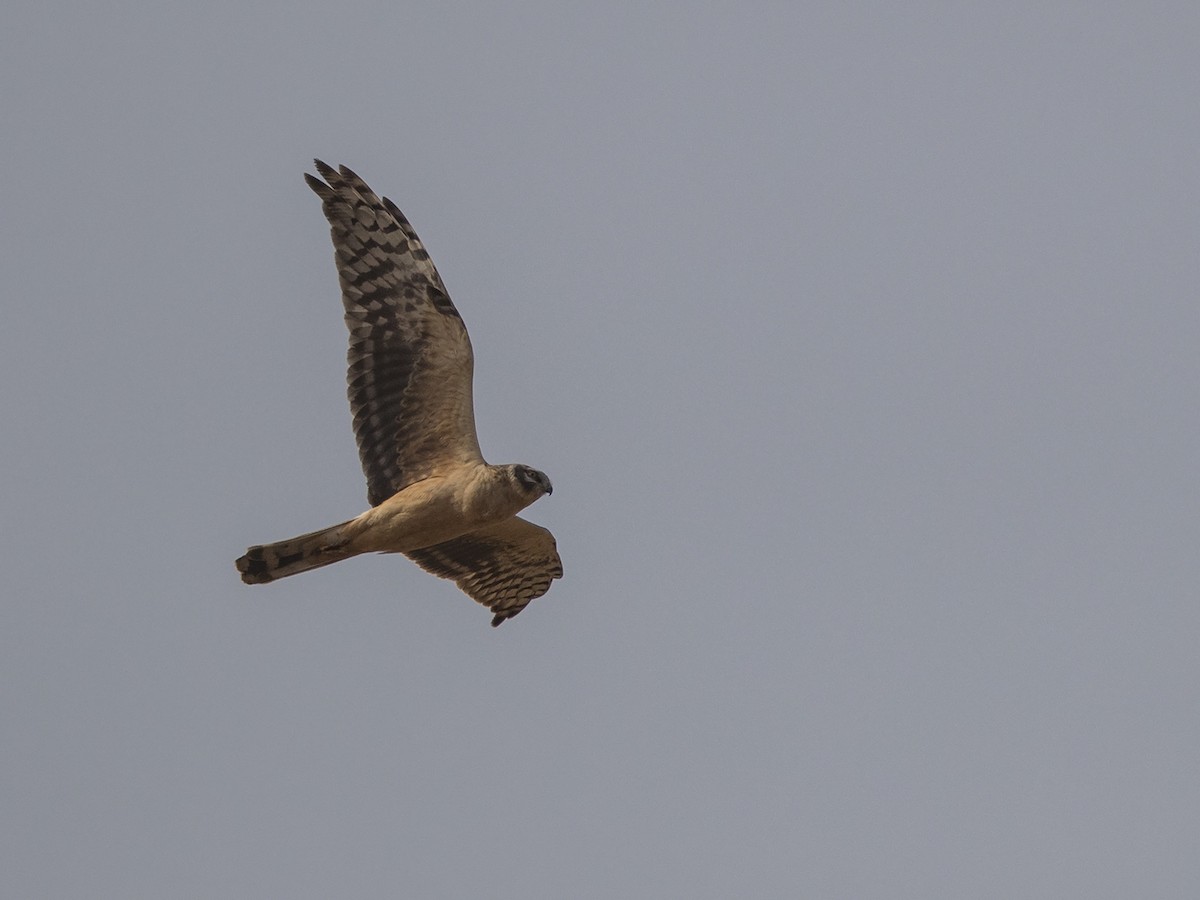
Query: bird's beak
(549,489)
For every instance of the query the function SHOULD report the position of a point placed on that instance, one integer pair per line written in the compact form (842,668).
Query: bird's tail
(268,562)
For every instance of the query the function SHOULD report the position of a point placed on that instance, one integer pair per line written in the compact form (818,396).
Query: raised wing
(410,359)
(502,566)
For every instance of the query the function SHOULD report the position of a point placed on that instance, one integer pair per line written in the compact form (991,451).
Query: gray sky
(859,342)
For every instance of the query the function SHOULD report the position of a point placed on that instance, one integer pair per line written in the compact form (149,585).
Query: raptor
(432,495)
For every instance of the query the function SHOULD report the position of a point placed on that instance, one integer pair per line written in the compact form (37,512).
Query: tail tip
(254,567)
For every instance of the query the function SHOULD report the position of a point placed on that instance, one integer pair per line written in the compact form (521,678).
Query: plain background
(859,340)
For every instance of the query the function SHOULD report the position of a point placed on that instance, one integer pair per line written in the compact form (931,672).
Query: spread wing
(410,360)
(502,566)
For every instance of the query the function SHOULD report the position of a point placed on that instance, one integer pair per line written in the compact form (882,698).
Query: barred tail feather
(268,562)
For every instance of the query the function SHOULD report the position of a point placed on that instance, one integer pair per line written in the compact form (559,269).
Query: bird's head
(531,481)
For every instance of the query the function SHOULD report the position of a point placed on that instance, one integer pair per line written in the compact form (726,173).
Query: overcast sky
(860,343)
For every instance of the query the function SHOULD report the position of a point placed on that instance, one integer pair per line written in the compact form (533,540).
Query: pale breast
(425,513)
(437,509)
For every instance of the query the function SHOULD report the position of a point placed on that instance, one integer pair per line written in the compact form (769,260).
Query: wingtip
(504,615)
(339,181)
(322,190)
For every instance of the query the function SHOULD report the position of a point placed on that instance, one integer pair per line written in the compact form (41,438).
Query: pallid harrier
(433,497)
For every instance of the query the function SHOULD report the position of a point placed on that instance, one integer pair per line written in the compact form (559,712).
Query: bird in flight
(432,495)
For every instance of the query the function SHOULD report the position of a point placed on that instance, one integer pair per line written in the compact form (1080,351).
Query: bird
(432,496)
